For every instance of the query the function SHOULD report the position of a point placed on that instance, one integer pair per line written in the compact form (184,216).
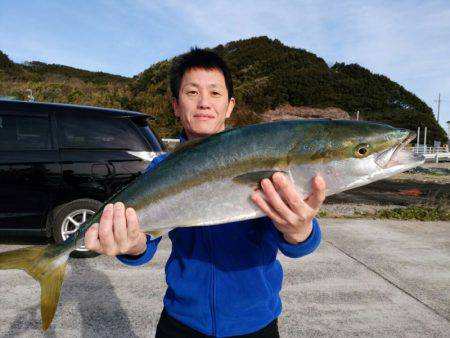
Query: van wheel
(67,219)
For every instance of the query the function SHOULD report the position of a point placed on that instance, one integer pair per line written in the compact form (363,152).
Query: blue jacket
(224,280)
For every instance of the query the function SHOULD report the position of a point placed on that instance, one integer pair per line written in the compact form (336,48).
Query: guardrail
(429,150)
(432,153)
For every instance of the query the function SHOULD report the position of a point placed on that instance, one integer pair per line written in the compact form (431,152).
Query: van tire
(61,221)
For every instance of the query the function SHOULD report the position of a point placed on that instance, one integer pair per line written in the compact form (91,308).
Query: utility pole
(439,106)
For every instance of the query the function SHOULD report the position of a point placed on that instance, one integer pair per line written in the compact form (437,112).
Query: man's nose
(203,101)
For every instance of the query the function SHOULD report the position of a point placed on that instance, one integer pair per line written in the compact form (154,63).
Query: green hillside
(57,83)
(266,74)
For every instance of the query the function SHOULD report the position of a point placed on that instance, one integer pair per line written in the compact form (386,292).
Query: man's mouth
(203,117)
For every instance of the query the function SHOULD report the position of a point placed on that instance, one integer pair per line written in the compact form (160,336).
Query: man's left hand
(289,212)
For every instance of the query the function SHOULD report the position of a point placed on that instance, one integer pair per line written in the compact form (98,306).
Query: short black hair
(198,58)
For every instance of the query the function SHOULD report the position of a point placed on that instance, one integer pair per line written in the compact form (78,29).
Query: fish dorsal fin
(254,177)
(187,144)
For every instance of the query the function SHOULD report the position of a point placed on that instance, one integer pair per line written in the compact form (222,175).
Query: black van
(59,162)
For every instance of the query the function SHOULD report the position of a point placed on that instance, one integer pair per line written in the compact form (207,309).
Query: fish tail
(47,266)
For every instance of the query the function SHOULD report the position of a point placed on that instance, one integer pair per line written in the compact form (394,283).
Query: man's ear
(230,108)
(175,107)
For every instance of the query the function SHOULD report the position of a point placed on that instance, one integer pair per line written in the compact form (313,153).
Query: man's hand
(290,213)
(117,234)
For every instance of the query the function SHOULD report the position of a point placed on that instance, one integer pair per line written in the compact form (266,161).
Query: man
(222,280)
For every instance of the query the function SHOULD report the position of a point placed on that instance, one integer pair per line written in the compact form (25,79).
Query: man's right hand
(117,234)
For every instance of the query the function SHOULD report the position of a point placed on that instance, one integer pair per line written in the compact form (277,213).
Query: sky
(408,41)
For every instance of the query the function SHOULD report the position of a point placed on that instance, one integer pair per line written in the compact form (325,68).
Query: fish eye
(361,150)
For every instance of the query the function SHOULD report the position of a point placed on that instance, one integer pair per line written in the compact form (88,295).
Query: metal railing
(429,150)
(435,154)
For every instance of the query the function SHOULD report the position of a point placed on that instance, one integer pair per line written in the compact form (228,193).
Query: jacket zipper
(213,286)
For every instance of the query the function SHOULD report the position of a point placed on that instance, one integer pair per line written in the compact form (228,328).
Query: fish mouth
(399,155)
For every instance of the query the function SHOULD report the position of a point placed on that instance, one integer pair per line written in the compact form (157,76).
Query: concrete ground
(368,278)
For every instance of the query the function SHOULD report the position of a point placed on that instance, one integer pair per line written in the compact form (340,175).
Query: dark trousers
(169,327)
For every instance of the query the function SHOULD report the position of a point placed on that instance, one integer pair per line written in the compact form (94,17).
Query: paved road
(368,278)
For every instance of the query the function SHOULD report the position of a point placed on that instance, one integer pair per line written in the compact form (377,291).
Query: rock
(287,111)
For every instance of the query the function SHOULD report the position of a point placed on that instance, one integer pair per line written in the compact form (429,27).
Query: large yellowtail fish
(209,181)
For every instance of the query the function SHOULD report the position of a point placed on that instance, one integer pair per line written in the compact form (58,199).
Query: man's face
(203,104)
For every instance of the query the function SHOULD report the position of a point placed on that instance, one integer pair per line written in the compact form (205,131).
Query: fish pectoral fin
(157,233)
(254,178)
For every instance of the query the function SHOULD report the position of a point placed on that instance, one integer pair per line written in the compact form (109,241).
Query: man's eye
(192,92)
(215,93)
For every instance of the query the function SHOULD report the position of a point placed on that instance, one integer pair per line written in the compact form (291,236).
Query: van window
(92,132)
(24,132)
